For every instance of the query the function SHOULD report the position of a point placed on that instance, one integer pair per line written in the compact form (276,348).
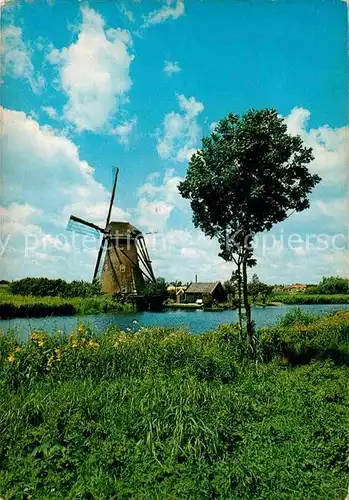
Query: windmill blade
(112,198)
(118,249)
(144,256)
(77,225)
(99,257)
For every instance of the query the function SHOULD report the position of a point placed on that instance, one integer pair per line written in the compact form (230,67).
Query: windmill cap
(123,229)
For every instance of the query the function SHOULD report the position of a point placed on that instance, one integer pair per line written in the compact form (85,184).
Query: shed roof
(202,287)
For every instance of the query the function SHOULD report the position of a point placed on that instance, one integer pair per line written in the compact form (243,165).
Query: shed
(213,291)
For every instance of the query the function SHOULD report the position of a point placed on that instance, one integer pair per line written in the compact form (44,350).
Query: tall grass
(164,414)
(28,306)
(304,298)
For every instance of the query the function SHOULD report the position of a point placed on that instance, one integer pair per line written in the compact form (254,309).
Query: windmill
(127,264)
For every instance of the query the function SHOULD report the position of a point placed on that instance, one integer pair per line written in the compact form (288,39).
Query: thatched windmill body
(126,263)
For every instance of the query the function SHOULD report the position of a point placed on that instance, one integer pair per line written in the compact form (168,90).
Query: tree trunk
(249,329)
(239,300)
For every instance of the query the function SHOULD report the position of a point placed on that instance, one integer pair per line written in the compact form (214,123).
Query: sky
(88,86)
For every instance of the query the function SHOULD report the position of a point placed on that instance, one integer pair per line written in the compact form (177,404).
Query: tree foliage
(333,284)
(257,289)
(45,287)
(157,288)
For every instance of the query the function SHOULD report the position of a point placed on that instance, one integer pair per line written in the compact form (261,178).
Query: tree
(248,175)
(254,287)
(257,289)
(333,284)
(156,288)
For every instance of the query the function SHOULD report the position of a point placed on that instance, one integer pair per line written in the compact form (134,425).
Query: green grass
(164,414)
(27,306)
(304,298)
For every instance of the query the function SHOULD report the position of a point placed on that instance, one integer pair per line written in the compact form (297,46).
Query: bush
(297,316)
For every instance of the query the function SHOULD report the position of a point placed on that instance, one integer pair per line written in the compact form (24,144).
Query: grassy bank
(22,306)
(304,298)
(165,414)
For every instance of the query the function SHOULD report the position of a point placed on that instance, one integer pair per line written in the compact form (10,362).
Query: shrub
(295,316)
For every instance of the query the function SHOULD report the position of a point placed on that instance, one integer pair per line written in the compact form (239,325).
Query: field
(164,414)
(12,306)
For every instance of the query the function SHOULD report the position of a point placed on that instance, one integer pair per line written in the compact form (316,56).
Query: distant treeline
(330,285)
(45,287)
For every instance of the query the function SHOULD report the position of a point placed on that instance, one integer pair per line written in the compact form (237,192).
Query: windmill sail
(82,227)
(97,274)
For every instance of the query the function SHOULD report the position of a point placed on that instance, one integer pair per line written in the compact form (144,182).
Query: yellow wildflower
(75,343)
(123,337)
(91,343)
(39,338)
(50,361)
(18,349)
(11,358)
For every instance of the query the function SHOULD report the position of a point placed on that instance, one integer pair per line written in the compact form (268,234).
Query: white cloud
(26,249)
(181,133)
(154,215)
(128,13)
(172,9)
(16,58)
(171,68)
(46,181)
(158,200)
(124,130)
(94,72)
(213,125)
(180,254)
(50,111)
(338,209)
(330,146)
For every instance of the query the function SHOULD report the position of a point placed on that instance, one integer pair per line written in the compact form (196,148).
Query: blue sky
(90,85)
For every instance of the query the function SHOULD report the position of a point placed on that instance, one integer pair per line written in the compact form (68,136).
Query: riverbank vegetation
(330,290)
(161,413)
(22,306)
(305,298)
(46,287)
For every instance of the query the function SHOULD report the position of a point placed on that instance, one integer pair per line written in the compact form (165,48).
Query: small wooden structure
(200,291)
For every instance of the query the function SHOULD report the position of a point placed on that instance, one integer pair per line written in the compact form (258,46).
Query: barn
(205,291)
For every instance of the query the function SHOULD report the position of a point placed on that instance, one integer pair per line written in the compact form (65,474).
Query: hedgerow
(45,287)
